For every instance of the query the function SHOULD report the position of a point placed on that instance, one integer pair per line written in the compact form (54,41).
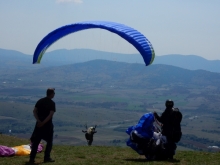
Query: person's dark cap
(169,103)
(50,91)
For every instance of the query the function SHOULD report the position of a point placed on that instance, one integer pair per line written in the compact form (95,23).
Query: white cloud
(69,1)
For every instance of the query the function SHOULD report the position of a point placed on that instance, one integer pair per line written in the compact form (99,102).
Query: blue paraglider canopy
(143,129)
(138,40)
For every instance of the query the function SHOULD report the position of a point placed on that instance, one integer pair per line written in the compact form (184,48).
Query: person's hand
(40,124)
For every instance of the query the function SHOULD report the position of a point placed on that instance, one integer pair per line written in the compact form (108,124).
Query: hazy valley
(111,94)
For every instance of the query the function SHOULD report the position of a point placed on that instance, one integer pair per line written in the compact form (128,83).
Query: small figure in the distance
(89,134)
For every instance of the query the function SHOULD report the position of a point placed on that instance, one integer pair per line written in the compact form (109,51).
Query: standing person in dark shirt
(43,112)
(166,119)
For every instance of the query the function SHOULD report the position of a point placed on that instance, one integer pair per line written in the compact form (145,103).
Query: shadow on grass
(137,160)
(145,160)
(27,163)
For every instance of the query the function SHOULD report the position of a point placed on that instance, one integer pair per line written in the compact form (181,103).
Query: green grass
(93,155)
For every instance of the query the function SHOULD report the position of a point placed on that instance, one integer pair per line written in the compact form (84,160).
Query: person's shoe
(48,160)
(31,161)
(170,157)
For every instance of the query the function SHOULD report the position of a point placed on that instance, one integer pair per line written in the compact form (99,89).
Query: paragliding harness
(161,148)
(89,134)
(177,118)
(144,146)
(152,148)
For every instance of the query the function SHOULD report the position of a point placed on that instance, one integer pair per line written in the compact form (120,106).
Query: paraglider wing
(138,40)
(143,130)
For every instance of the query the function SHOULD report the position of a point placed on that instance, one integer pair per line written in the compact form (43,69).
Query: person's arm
(162,117)
(35,115)
(84,131)
(156,116)
(46,120)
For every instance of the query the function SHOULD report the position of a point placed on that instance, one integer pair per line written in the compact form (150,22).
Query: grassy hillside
(78,155)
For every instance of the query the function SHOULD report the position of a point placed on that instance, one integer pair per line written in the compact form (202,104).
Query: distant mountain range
(14,59)
(105,73)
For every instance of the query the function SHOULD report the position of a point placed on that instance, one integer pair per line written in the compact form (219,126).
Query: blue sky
(190,27)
